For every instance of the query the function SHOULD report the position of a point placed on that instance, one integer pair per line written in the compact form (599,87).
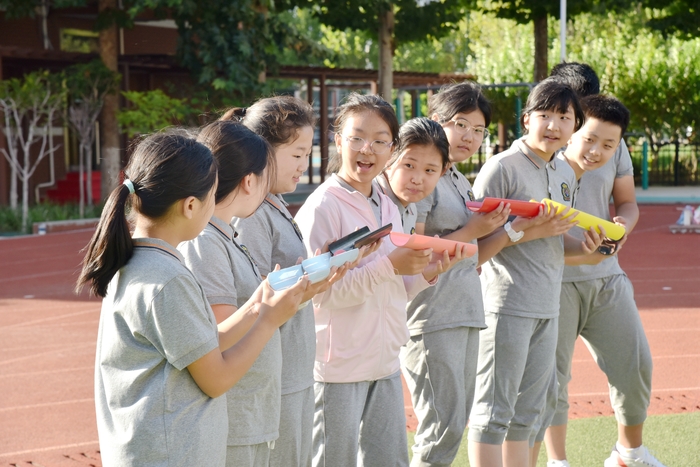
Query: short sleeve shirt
(456,299)
(229,276)
(408,213)
(524,278)
(273,237)
(155,321)
(593,197)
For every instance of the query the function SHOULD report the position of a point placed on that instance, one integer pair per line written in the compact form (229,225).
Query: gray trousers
(293,447)
(604,314)
(249,455)
(440,371)
(360,424)
(514,376)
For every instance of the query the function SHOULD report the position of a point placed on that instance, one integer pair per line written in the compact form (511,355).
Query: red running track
(47,415)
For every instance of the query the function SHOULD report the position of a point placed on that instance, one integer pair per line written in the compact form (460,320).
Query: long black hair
(163,169)
(238,152)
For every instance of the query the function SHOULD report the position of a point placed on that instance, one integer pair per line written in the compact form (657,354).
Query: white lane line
(51,448)
(46,404)
(46,372)
(51,352)
(45,320)
(654,391)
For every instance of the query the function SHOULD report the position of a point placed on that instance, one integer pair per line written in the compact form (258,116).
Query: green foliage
(412,22)
(24,8)
(229,44)
(657,79)
(151,111)
(681,17)
(91,80)
(11,219)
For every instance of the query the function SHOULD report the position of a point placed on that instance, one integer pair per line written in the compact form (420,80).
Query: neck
(146,228)
(364,188)
(575,167)
(542,155)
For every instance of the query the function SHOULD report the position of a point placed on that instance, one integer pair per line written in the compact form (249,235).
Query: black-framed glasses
(462,126)
(377,146)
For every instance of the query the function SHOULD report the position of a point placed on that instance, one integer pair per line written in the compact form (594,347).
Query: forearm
(630,211)
(490,246)
(217,372)
(237,325)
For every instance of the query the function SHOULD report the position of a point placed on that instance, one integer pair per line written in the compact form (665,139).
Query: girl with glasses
(361,319)
(439,360)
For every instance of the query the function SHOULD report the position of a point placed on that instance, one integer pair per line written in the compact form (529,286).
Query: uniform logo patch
(413,230)
(565,191)
(471,195)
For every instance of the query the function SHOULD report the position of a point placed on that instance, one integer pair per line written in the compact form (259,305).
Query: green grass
(674,439)
(11,220)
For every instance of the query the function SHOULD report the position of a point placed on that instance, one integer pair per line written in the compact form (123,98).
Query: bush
(11,219)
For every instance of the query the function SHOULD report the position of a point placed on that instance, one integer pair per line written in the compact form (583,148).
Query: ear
(338,142)
(435,117)
(247,184)
(526,121)
(188,207)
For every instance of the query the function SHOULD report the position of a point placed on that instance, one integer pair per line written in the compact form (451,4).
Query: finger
(277,266)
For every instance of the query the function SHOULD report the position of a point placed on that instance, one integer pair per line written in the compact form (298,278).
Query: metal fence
(674,164)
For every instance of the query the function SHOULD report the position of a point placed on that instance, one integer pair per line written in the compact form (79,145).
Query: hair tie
(241,113)
(130,185)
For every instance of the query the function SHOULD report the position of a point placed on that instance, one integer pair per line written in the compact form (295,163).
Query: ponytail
(110,247)
(164,169)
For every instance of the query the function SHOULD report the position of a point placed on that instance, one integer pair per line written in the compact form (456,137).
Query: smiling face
(358,168)
(593,145)
(292,161)
(548,130)
(464,145)
(416,172)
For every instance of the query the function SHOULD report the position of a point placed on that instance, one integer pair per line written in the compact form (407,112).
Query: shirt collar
(536,160)
(158,244)
(222,227)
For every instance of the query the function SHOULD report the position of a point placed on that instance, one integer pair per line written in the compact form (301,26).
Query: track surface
(47,415)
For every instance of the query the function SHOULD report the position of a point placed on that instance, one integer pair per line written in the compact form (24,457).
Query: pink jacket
(360,320)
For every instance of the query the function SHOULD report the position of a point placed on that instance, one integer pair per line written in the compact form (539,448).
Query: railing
(674,164)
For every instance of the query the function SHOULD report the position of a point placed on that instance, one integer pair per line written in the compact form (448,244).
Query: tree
(390,22)
(681,17)
(537,12)
(30,106)
(88,86)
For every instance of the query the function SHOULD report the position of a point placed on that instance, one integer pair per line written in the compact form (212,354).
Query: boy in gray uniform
(597,299)
(230,277)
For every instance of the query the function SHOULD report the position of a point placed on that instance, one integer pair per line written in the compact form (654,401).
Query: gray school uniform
(345,436)
(155,321)
(597,303)
(521,288)
(272,237)
(229,276)
(408,213)
(439,361)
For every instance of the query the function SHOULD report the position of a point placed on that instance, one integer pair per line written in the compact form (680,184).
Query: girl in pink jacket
(361,320)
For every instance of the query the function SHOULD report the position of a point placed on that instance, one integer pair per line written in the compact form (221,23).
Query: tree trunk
(111,160)
(386,52)
(541,48)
